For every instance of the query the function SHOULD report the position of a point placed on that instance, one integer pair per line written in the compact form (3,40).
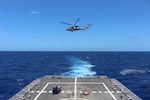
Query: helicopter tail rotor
(89,25)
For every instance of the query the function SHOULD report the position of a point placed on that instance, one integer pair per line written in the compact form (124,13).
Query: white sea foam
(19,80)
(132,71)
(80,67)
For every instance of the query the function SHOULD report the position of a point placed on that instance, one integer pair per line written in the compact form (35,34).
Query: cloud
(1,32)
(135,38)
(34,12)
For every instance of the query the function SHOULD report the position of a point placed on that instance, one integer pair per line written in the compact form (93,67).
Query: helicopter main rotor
(76,21)
(71,24)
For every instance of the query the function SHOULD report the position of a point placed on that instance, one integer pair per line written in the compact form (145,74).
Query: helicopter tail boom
(83,27)
(86,27)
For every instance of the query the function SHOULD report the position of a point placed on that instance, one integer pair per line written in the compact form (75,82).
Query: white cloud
(135,37)
(34,12)
(1,32)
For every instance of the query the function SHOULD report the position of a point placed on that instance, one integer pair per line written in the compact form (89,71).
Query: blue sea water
(17,69)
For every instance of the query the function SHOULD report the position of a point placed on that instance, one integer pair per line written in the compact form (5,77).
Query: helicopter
(74,27)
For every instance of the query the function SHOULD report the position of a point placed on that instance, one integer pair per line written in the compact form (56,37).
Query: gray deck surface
(100,88)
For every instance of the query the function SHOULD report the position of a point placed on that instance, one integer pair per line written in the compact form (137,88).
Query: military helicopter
(74,27)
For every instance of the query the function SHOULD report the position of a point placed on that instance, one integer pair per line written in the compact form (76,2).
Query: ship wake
(133,71)
(79,67)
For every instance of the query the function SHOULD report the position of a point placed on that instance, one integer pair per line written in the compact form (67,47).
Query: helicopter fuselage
(74,27)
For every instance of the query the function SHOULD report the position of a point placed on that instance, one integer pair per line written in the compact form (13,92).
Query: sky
(34,25)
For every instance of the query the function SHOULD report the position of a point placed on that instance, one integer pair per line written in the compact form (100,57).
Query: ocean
(17,69)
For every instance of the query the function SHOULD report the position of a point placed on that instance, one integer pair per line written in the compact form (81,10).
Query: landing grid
(99,88)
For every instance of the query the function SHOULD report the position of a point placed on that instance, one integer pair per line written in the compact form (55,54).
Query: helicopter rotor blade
(77,21)
(65,23)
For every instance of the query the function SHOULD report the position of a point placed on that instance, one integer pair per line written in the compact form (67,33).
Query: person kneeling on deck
(56,89)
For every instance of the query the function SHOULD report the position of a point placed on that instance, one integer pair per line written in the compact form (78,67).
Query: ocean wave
(132,71)
(80,67)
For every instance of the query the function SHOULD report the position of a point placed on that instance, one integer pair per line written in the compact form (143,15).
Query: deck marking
(94,91)
(41,91)
(69,92)
(114,98)
(106,92)
(118,92)
(75,88)
(112,91)
(50,91)
(44,92)
(99,91)
(37,91)
(76,83)
(73,99)
(62,91)
(31,91)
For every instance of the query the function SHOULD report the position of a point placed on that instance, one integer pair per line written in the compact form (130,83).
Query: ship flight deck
(76,88)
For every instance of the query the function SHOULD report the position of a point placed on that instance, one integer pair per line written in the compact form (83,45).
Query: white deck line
(75,88)
(61,82)
(41,91)
(90,83)
(114,98)
(76,82)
